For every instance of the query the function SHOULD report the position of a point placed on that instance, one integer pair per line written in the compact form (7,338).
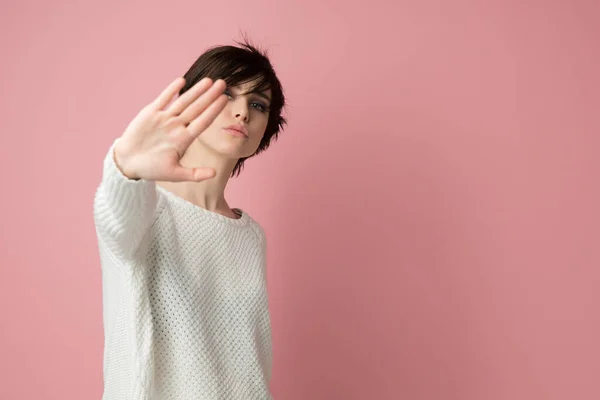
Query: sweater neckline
(243,220)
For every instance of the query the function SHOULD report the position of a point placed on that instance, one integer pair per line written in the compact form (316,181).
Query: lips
(238,128)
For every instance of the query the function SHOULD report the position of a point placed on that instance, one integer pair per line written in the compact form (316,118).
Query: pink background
(432,209)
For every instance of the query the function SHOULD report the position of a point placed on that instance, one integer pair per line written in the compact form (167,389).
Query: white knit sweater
(184,296)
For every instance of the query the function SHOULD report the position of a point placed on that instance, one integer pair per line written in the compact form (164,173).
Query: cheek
(254,142)
(258,136)
(259,125)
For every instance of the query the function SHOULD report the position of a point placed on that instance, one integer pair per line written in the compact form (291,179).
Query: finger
(203,121)
(183,174)
(202,102)
(165,97)
(189,96)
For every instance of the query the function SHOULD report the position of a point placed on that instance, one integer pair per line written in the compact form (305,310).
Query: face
(246,112)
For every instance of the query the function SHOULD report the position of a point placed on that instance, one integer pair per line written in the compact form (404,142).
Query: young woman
(184,289)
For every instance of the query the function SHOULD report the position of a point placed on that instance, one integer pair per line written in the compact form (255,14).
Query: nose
(241,111)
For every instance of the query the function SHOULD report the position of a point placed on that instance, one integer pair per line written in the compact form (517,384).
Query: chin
(233,149)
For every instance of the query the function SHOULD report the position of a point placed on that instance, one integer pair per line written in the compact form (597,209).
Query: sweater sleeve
(124,209)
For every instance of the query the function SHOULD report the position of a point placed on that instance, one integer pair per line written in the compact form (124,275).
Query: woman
(184,284)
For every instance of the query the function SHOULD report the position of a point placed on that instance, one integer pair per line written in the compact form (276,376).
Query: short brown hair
(237,65)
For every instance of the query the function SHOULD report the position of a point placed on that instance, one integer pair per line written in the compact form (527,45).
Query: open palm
(154,142)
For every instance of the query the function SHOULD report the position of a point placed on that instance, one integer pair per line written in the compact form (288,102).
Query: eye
(259,106)
(228,94)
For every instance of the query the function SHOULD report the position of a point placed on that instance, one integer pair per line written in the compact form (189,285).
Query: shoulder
(257,228)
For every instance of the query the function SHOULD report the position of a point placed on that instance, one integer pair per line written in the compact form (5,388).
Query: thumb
(181,173)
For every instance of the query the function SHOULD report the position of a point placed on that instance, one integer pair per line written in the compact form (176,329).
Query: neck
(208,194)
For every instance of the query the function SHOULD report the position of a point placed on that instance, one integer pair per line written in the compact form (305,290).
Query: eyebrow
(263,95)
(260,94)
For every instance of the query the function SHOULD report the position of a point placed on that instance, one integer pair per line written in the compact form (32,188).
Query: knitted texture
(185,305)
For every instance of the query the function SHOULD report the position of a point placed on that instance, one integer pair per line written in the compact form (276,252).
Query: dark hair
(237,65)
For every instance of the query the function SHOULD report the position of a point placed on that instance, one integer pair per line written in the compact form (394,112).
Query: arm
(124,208)
(150,150)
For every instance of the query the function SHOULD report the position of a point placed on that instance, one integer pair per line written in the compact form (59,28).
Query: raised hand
(157,138)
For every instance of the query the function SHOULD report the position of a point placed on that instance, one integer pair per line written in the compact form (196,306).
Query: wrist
(118,159)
